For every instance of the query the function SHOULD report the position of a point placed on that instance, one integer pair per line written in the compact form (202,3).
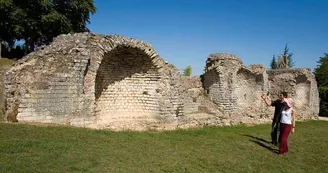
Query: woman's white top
(286,116)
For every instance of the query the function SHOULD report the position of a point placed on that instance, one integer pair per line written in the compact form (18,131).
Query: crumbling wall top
(222,56)
(69,46)
(257,68)
(222,60)
(295,71)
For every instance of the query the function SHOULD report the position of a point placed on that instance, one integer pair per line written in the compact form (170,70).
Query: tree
(274,64)
(321,73)
(291,63)
(187,71)
(37,22)
(6,24)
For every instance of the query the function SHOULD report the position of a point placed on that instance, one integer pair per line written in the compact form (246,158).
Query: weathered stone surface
(302,87)
(236,89)
(119,83)
(93,80)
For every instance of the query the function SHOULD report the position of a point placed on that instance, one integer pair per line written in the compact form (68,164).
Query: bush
(187,71)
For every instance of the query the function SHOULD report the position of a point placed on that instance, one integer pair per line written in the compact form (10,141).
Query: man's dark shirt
(278,109)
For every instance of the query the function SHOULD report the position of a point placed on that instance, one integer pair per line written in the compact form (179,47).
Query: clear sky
(186,32)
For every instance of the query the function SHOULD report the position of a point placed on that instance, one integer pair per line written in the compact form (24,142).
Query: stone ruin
(283,62)
(118,83)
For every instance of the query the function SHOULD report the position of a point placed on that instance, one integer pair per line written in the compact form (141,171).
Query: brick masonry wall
(301,86)
(118,83)
(191,90)
(248,89)
(219,77)
(46,83)
(126,85)
(84,79)
(236,89)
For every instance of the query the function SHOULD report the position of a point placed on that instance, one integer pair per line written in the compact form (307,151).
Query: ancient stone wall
(198,110)
(119,83)
(192,88)
(93,80)
(219,77)
(235,88)
(301,86)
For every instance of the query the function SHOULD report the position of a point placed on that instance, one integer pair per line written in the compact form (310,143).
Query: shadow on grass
(263,143)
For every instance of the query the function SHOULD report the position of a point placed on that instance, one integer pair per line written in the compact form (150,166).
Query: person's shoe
(274,143)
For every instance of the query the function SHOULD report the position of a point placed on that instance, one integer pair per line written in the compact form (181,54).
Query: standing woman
(287,125)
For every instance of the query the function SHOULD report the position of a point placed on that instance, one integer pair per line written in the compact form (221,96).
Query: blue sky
(186,32)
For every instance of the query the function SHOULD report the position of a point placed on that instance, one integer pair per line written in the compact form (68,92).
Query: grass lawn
(30,148)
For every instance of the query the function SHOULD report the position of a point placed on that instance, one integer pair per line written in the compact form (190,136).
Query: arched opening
(212,85)
(126,83)
(302,92)
(248,88)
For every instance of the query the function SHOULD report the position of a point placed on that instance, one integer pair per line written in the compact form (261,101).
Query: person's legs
(274,131)
(284,132)
(278,128)
(282,139)
(288,130)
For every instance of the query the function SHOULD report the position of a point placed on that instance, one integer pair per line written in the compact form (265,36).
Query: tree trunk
(31,44)
(0,48)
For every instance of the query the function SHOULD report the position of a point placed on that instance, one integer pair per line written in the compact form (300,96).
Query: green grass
(30,148)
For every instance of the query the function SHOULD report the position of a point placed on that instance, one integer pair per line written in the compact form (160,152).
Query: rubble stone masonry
(118,83)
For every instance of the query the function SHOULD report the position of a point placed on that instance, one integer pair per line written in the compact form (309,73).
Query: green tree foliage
(274,64)
(187,71)
(38,21)
(321,74)
(6,24)
(291,63)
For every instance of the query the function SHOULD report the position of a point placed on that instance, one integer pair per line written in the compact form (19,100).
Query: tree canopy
(321,73)
(289,55)
(273,64)
(37,22)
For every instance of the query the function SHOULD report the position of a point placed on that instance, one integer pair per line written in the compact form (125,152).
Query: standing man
(279,106)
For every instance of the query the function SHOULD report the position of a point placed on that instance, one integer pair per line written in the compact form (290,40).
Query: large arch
(125,86)
(130,85)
